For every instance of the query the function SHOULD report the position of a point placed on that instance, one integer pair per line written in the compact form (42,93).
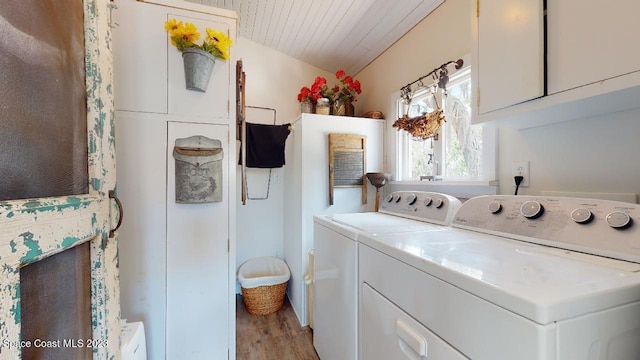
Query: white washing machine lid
(351,225)
(541,283)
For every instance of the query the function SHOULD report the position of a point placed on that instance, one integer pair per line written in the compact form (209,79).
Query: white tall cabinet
(177,260)
(307,188)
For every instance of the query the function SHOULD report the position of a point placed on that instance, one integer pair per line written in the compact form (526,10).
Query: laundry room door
(57,175)
(197,258)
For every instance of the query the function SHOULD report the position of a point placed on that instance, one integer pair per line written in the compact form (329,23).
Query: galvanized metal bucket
(198,65)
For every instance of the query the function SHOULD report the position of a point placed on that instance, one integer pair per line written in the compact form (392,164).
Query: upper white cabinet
(591,41)
(510,52)
(215,101)
(149,71)
(140,57)
(578,61)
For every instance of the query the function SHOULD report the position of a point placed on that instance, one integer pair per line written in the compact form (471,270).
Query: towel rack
(245,158)
(241,126)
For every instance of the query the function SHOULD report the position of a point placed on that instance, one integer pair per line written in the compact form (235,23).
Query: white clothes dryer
(517,277)
(335,333)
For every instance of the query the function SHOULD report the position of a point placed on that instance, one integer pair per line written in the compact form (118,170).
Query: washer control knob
(495,207)
(531,209)
(618,220)
(399,198)
(389,198)
(581,215)
(438,203)
(412,199)
(428,201)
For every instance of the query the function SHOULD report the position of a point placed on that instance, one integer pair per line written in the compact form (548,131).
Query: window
(458,152)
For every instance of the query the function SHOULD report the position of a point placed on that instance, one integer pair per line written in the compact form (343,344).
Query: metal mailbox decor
(198,170)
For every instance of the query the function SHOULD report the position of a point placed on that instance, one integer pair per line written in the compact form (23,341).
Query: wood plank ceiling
(329,34)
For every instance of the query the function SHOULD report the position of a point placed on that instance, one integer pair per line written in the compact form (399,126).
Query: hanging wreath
(424,126)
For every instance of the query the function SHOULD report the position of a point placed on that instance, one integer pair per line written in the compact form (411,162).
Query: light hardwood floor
(276,336)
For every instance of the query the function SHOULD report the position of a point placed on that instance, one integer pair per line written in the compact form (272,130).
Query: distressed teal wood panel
(33,229)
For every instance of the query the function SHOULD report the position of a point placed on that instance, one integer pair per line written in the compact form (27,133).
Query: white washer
(335,331)
(518,277)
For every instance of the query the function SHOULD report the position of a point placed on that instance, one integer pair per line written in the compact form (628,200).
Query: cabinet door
(590,41)
(214,103)
(197,260)
(140,57)
(141,146)
(510,52)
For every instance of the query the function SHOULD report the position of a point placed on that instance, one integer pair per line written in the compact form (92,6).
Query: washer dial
(438,203)
(428,201)
(495,207)
(412,199)
(618,220)
(531,209)
(581,215)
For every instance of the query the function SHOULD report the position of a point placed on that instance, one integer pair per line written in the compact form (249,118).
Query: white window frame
(460,187)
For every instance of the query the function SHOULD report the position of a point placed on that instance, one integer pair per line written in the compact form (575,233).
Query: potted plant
(341,95)
(345,94)
(308,97)
(198,58)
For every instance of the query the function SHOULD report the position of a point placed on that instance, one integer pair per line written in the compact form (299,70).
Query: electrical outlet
(521,168)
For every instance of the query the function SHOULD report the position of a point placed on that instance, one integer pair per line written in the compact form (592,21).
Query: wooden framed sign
(347,163)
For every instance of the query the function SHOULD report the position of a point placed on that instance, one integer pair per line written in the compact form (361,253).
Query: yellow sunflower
(172,25)
(220,41)
(189,32)
(183,36)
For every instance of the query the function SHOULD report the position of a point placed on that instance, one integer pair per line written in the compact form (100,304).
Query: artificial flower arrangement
(345,90)
(185,35)
(318,90)
(348,88)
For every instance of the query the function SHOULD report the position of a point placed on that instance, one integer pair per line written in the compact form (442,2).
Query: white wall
(273,81)
(593,155)
(584,155)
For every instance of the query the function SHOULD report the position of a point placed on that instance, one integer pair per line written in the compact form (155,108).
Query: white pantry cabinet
(177,260)
(592,66)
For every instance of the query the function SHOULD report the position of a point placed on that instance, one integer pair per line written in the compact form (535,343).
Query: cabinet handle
(112,195)
(415,341)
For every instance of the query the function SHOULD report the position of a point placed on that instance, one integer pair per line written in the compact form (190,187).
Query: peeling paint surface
(33,229)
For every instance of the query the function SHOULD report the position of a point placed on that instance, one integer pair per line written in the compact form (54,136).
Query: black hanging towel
(265,145)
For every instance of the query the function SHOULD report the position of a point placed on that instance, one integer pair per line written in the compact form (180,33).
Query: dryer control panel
(599,227)
(421,205)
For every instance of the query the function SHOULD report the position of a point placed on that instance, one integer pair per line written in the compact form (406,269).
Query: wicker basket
(263,300)
(373,114)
